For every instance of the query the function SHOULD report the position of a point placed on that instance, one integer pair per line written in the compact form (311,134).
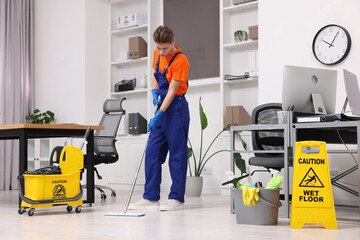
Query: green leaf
(243,143)
(190,152)
(203,118)
(240,163)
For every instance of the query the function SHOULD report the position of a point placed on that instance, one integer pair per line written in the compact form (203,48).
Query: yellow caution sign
(312,198)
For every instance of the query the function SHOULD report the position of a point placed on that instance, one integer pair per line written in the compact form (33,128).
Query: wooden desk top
(49,126)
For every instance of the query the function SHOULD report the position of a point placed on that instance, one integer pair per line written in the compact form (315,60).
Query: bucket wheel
(21,210)
(69,208)
(31,212)
(78,209)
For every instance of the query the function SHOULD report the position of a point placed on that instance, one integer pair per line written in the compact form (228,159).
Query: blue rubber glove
(155,120)
(156,94)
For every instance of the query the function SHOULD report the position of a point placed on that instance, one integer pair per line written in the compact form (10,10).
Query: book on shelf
(308,119)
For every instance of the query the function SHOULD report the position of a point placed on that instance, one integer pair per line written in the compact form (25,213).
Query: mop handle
(138,168)
(136,175)
(84,141)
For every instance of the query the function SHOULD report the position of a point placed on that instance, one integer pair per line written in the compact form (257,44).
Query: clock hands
(334,39)
(330,44)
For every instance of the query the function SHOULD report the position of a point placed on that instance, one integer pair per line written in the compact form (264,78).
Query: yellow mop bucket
(46,189)
(312,198)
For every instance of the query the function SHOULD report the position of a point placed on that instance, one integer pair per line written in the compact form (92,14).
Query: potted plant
(196,164)
(39,117)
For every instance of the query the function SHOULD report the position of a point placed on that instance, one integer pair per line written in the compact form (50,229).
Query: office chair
(104,140)
(267,140)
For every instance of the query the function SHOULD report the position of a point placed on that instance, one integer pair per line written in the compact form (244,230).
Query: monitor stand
(344,106)
(319,107)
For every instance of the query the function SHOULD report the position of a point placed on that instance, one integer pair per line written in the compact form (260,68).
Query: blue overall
(171,136)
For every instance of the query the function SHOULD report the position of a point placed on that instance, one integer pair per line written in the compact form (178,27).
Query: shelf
(245,80)
(204,82)
(131,92)
(129,61)
(129,30)
(248,43)
(241,7)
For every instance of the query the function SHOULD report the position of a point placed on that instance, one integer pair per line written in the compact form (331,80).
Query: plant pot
(194,186)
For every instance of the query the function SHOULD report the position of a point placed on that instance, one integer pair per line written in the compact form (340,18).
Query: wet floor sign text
(312,199)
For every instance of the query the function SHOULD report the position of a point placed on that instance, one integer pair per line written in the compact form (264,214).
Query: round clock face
(331,44)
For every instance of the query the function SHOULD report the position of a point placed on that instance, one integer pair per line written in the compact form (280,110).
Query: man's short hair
(163,34)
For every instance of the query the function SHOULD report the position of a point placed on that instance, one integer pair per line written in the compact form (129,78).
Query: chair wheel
(113,194)
(78,209)
(31,212)
(103,196)
(69,208)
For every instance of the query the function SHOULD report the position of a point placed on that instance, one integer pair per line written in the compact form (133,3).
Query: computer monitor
(352,92)
(303,86)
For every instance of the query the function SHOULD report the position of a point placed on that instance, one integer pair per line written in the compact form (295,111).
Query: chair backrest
(267,140)
(104,142)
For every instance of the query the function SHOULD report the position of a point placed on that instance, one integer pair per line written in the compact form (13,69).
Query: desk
(23,132)
(299,132)
(285,151)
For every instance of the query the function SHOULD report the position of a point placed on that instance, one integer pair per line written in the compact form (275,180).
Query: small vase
(194,186)
(142,81)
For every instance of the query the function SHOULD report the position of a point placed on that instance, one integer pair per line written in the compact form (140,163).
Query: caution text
(311,161)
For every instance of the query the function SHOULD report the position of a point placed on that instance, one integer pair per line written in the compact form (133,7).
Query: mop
(125,212)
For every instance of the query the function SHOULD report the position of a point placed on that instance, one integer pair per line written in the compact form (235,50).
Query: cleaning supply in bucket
(275,182)
(257,205)
(250,194)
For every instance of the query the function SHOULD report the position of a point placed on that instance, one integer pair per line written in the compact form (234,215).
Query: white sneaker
(171,205)
(144,204)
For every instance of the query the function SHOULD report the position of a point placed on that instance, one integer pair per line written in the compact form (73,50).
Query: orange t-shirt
(178,69)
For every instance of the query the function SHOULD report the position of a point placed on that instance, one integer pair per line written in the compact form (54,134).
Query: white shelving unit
(234,56)
(121,67)
(38,153)
(138,100)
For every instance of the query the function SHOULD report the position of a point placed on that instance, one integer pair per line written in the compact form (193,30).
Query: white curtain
(16,77)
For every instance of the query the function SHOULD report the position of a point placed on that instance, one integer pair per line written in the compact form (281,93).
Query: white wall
(286,32)
(97,58)
(71,53)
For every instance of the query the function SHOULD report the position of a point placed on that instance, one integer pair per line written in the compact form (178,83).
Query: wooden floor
(206,217)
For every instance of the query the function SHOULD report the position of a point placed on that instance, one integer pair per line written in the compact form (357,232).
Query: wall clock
(331,44)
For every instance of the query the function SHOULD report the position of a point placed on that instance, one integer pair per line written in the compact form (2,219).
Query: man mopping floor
(169,127)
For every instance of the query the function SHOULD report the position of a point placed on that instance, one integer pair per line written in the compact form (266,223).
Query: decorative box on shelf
(131,20)
(137,47)
(237,115)
(253,32)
